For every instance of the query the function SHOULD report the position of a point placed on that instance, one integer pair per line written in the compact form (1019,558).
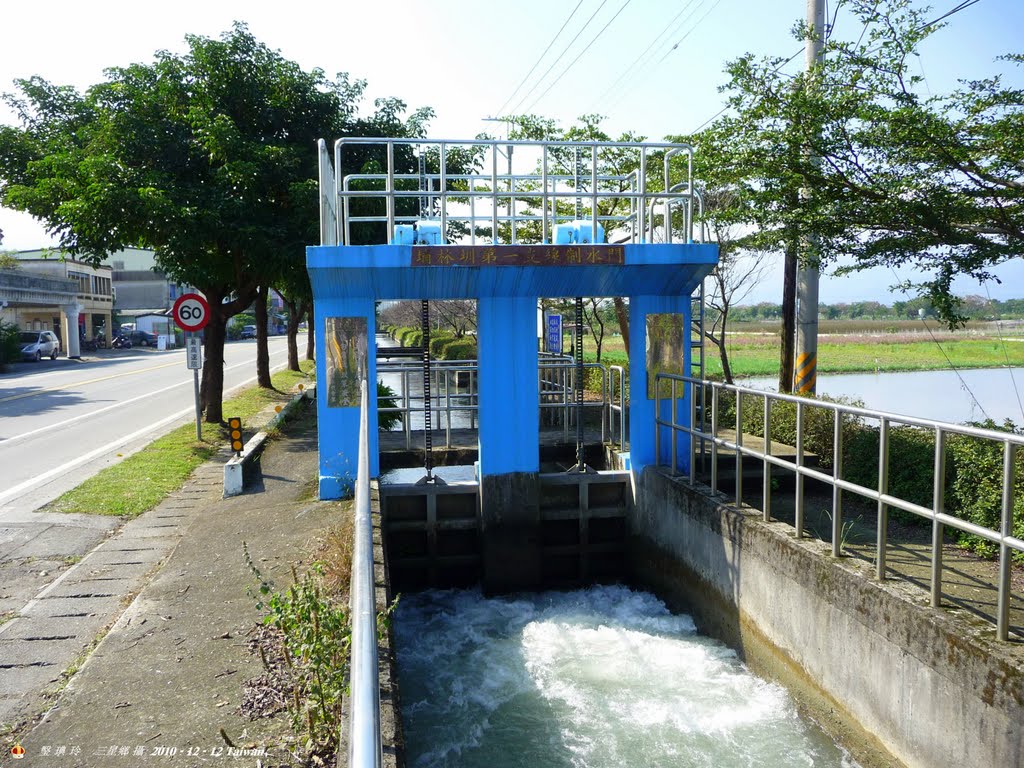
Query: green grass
(142,480)
(754,355)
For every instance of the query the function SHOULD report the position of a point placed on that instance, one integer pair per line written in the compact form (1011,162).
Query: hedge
(460,349)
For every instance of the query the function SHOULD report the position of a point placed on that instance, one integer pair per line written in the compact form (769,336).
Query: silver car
(38,344)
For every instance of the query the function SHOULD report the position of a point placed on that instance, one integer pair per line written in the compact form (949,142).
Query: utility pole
(807,276)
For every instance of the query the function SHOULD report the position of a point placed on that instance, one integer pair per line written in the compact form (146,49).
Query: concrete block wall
(900,682)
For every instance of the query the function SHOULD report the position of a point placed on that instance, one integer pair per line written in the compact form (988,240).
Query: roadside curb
(243,468)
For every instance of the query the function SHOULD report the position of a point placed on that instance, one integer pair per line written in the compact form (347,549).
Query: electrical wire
(587,48)
(963,382)
(689,31)
(1006,354)
(956,9)
(541,58)
(576,37)
(667,31)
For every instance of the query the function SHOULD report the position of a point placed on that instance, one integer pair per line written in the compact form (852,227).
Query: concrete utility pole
(807,277)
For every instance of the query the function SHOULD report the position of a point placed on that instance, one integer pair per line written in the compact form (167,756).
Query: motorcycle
(121,342)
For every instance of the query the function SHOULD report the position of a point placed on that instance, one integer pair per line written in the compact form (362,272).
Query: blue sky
(653,70)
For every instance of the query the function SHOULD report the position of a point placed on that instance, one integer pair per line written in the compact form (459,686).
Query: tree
(737,273)
(206,157)
(897,178)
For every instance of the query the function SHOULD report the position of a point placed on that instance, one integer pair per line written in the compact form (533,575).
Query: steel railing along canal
(681,387)
(364,718)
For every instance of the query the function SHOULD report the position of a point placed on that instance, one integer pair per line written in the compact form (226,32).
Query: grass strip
(144,479)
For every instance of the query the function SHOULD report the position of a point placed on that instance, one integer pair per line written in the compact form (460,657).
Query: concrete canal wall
(871,660)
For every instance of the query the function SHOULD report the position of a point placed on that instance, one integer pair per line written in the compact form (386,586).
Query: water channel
(953,396)
(600,677)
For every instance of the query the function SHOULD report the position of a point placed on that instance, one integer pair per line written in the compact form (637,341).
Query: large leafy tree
(208,157)
(856,155)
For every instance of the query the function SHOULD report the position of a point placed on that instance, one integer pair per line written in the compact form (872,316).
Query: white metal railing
(364,747)
(328,198)
(676,386)
(454,391)
(523,187)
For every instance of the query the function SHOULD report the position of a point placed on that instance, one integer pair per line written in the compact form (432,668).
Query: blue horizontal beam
(386,272)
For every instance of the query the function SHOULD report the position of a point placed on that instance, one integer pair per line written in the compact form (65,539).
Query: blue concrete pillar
(509,395)
(345,342)
(641,405)
(509,444)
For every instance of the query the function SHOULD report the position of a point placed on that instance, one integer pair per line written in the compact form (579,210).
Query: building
(51,291)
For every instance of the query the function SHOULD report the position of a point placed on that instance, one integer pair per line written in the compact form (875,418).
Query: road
(62,421)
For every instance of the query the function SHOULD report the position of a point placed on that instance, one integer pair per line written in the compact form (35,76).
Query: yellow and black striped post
(806,376)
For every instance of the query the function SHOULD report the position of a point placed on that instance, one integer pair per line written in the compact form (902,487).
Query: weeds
(316,635)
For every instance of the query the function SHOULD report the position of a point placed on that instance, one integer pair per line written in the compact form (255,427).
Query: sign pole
(195,387)
(192,313)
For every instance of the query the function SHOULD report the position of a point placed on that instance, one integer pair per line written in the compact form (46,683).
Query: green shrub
(460,349)
(10,347)
(387,398)
(975,490)
(438,341)
(911,464)
(404,334)
(818,426)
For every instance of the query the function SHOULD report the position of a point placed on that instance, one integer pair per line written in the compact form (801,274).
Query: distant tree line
(971,307)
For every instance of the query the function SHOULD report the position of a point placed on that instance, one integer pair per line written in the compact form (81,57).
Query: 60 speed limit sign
(191,312)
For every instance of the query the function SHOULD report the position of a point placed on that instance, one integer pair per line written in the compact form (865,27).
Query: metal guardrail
(364,744)
(556,380)
(465,186)
(1010,442)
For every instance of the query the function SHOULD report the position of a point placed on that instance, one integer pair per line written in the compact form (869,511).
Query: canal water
(599,677)
(952,396)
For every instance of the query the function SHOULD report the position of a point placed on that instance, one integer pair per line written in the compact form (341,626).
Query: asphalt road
(62,421)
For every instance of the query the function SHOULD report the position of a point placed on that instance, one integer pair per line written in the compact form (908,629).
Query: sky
(652,67)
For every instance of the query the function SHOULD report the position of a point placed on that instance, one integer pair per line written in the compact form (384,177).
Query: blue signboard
(554,334)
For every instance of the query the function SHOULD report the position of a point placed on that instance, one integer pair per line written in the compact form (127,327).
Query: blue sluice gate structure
(458,229)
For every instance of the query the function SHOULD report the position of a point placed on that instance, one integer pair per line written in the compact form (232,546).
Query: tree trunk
(622,314)
(310,333)
(262,353)
(212,390)
(786,348)
(296,311)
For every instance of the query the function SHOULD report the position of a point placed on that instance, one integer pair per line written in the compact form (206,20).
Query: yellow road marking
(84,383)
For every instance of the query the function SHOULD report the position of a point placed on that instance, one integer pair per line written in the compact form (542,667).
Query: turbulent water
(598,677)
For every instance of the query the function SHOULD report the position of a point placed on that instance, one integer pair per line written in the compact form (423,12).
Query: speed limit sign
(191,312)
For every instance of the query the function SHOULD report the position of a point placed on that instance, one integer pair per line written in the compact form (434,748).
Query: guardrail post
(837,494)
(675,431)
(657,421)
(1006,530)
(739,449)
(766,486)
(883,510)
(693,441)
(798,512)
(714,438)
(938,503)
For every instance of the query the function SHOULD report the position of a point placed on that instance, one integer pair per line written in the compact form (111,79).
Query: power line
(666,31)
(587,48)
(956,9)
(541,58)
(689,31)
(559,57)
(1006,354)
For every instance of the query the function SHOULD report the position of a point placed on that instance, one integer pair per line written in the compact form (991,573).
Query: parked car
(141,338)
(249,332)
(38,344)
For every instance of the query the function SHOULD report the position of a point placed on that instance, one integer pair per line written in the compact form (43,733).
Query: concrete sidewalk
(168,677)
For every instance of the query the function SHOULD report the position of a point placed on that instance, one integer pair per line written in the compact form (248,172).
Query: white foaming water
(598,677)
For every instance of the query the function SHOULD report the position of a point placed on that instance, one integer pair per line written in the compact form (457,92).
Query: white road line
(5,441)
(19,489)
